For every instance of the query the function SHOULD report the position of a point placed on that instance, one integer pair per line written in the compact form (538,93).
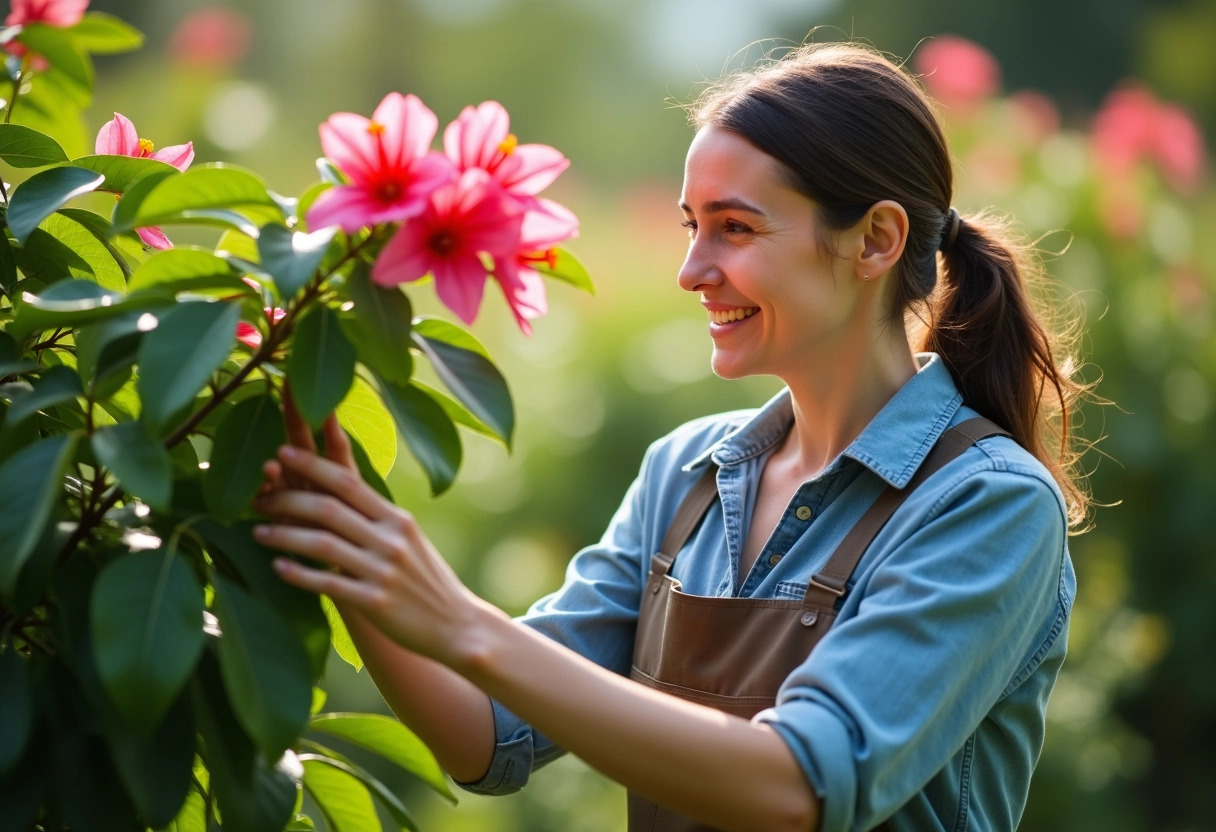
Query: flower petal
(460,282)
(531,168)
(347,143)
(347,206)
(178,155)
(154,237)
(524,290)
(117,137)
(248,335)
(405,258)
(546,226)
(473,139)
(409,129)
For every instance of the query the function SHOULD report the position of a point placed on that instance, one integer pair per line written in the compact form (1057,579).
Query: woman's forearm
(721,769)
(444,709)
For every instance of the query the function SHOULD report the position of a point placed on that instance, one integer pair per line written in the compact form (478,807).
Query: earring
(865,276)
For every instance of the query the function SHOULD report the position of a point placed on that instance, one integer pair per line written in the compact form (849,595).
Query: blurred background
(1084,119)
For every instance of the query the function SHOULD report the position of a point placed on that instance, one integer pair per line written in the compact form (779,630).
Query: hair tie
(953,221)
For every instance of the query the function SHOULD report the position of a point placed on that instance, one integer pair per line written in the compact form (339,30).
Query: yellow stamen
(507,146)
(375,128)
(146,147)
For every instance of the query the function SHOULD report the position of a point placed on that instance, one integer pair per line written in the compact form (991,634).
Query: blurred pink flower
(1035,115)
(479,138)
(250,335)
(462,223)
(61,13)
(118,137)
(388,160)
(523,285)
(1133,125)
(959,73)
(213,36)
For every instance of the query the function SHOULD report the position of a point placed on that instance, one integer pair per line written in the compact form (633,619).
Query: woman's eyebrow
(729,204)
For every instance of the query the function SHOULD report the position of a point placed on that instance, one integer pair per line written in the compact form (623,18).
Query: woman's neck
(834,400)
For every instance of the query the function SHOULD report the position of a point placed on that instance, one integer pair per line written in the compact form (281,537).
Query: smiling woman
(842,611)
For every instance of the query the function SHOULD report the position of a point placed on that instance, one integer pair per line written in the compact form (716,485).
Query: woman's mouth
(727,316)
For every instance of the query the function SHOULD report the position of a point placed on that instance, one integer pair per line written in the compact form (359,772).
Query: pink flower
(1133,125)
(462,222)
(523,285)
(213,36)
(250,335)
(957,72)
(479,138)
(60,13)
(117,137)
(388,161)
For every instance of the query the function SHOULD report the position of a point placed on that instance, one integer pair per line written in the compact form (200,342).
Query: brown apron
(733,653)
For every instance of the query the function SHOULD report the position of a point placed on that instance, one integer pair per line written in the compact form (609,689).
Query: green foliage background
(1133,720)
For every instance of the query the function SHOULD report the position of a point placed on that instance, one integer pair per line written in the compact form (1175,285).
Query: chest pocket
(790,590)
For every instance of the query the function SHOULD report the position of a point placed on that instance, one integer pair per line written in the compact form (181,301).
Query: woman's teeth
(732,315)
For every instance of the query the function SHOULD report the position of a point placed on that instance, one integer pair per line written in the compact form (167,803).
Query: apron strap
(687,516)
(830,583)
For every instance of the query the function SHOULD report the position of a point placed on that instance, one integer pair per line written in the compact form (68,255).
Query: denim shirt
(927,697)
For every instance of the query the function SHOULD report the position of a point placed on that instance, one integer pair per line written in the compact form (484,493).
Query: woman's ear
(884,233)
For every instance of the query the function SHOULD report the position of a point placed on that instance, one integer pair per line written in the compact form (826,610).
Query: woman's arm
(698,761)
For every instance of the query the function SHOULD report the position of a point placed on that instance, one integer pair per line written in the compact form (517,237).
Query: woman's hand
(379,561)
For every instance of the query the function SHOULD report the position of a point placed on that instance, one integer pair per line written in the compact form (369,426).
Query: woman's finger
(324,511)
(324,547)
(298,431)
(339,480)
(337,586)
(337,443)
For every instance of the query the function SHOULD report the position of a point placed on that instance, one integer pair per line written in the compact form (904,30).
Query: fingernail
(283,564)
(261,532)
(288,452)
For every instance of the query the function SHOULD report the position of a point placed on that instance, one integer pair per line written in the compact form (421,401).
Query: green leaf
(243,556)
(101,229)
(252,796)
(329,174)
(72,303)
(103,34)
(202,188)
(342,642)
(177,358)
(428,431)
(292,257)
(390,739)
(265,669)
(109,346)
(121,172)
(57,386)
(11,360)
(382,793)
(321,365)
(23,147)
(475,381)
(31,481)
(566,268)
(379,326)
(186,269)
(63,247)
(437,329)
(155,767)
(44,193)
(458,413)
(62,52)
(301,823)
(23,791)
(138,460)
(365,417)
(345,801)
(17,715)
(238,244)
(134,196)
(146,613)
(250,434)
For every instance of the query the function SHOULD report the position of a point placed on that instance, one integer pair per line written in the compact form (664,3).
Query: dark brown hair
(851,129)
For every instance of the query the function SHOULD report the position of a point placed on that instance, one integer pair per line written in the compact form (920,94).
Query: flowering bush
(153,668)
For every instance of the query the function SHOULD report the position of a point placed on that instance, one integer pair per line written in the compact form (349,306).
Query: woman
(896,566)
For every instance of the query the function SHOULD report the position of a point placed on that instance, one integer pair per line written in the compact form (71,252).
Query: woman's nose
(698,270)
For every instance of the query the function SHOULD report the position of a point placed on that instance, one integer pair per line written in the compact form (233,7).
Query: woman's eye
(691,225)
(734,227)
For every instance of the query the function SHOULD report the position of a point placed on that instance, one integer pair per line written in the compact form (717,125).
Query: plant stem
(12,102)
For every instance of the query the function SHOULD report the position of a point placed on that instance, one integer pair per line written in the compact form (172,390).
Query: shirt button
(774,559)
(803,512)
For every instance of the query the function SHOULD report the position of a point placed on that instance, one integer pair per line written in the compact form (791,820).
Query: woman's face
(776,300)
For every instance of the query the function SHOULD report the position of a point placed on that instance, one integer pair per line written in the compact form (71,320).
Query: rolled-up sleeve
(595,614)
(956,605)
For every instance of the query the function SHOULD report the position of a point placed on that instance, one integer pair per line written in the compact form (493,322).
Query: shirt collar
(893,444)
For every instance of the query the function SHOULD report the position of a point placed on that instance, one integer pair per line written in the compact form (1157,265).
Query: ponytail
(985,320)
